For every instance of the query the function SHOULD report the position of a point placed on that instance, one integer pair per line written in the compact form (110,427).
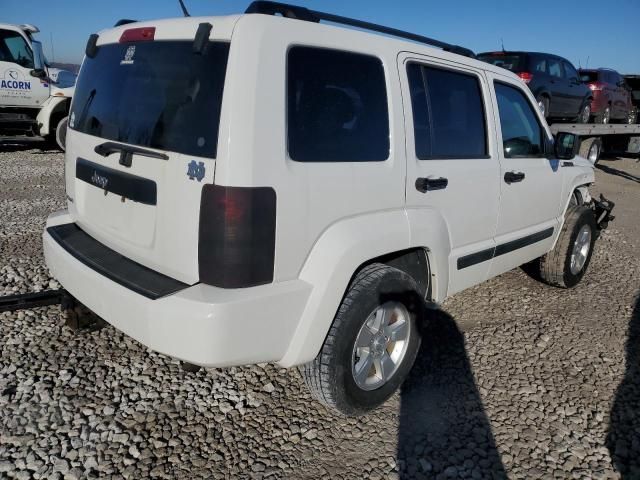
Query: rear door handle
(513,177)
(424,184)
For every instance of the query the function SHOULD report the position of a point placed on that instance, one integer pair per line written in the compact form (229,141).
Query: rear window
(515,63)
(337,106)
(589,76)
(153,94)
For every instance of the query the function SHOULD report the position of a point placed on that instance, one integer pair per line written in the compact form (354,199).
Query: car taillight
(140,34)
(525,76)
(596,86)
(236,244)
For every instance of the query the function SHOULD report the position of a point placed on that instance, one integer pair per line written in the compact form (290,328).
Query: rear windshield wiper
(126,152)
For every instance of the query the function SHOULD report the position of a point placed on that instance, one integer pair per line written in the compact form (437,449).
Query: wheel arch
(337,256)
(54,110)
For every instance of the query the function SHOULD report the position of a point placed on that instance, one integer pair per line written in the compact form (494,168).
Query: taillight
(596,86)
(236,245)
(525,76)
(140,34)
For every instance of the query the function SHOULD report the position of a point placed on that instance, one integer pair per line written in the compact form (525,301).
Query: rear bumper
(199,324)
(599,102)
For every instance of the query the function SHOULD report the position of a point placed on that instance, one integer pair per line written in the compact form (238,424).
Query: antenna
(502,43)
(53,53)
(184,9)
(587,65)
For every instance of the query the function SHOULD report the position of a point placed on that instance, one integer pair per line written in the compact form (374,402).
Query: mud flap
(602,210)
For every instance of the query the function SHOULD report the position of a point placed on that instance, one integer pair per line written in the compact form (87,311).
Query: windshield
(588,76)
(14,49)
(153,94)
(508,61)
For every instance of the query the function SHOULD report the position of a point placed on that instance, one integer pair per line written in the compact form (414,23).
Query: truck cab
(31,103)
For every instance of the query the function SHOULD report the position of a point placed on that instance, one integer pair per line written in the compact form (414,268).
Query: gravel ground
(514,379)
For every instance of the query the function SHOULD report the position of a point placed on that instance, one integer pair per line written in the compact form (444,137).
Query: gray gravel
(515,380)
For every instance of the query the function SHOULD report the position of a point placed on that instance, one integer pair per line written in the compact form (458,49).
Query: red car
(611,96)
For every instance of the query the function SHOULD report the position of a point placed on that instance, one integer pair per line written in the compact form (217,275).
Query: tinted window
(588,76)
(555,69)
(569,71)
(509,61)
(521,132)
(153,94)
(337,106)
(448,113)
(538,64)
(14,49)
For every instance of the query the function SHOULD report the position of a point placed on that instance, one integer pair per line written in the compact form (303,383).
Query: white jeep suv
(268,188)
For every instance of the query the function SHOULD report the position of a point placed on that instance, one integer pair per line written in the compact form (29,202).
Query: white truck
(267,188)
(31,102)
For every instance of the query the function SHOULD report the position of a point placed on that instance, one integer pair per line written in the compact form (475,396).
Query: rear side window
(521,133)
(555,68)
(448,113)
(538,64)
(336,106)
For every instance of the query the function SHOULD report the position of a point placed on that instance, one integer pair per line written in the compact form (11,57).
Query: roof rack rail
(302,13)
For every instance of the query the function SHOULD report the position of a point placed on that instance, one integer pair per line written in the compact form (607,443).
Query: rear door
(558,87)
(17,87)
(530,184)
(142,140)
(575,89)
(452,167)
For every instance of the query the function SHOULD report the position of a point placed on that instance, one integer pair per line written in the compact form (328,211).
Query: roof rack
(302,13)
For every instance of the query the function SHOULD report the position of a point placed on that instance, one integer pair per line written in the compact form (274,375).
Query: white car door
(530,183)
(17,87)
(452,161)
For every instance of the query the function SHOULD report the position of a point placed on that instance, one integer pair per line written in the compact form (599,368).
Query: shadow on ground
(623,439)
(444,430)
(618,173)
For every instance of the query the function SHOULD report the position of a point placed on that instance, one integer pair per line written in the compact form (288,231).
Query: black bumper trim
(112,265)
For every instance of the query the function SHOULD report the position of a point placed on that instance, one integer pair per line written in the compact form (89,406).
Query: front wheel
(566,264)
(372,343)
(604,117)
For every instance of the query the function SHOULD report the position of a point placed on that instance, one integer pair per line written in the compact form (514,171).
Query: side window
(555,69)
(569,71)
(448,113)
(336,106)
(521,133)
(14,49)
(539,64)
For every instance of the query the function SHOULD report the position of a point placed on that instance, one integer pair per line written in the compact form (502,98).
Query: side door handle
(513,177)
(424,184)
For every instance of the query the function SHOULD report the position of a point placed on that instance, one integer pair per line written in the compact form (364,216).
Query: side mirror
(38,56)
(566,145)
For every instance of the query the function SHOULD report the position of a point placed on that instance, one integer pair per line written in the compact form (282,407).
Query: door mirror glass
(566,145)
(38,56)
(38,60)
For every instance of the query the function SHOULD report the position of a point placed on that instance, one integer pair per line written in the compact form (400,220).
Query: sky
(604,33)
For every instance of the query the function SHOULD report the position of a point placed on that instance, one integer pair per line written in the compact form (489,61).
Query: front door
(530,183)
(452,165)
(17,87)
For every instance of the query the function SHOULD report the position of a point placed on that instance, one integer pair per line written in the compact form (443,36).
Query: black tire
(604,116)
(329,376)
(591,148)
(58,133)
(585,113)
(543,102)
(555,266)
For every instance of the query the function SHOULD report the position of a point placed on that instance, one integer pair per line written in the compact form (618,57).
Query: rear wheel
(372,343)
(543,105)
(585,114)
(632,117)
(566,264)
